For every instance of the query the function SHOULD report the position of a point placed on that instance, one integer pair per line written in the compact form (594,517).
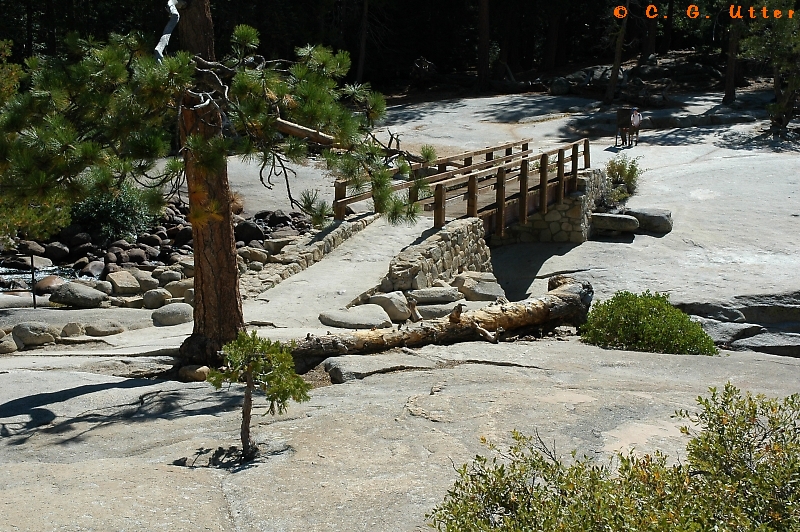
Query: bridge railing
(459,177)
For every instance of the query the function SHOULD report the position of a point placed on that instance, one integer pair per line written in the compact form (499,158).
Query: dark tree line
(384,38)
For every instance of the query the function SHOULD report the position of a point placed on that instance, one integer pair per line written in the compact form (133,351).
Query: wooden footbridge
(502,188)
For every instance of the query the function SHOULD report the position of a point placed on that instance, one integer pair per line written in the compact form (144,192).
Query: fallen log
(566,302)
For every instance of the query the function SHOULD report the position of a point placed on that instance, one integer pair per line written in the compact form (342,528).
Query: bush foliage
(119,212)
(645,322)
(742,473)
(623,171)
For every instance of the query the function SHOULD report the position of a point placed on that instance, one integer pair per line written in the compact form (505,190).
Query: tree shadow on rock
(231,458)
(401,114)
(788,142)
(180,401)
(517,266)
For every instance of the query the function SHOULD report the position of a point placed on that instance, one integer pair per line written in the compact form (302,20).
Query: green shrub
(621,170)
(645,322)
(317,209)
(741,474)
(118,212)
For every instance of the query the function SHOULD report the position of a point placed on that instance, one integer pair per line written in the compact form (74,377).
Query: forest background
(385,38)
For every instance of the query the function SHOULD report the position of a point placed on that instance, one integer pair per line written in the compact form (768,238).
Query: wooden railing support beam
(500,198)
(543,162)
(587,160)
(438,207)
(560,189)
(523,192)
(340,193)
(472,197)
(574,167)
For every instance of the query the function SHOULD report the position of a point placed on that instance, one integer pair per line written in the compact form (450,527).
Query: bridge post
(509,151)
(340,193)
(543,162)
(587,161)
(413,192)
(490,156)
(468,162)
(438,207)
(500,198)
(574,167)
(560,190)
(472,197)
(523,192)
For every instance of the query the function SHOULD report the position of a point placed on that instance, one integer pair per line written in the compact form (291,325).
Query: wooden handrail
(492,173)
(435,179)
(469,154)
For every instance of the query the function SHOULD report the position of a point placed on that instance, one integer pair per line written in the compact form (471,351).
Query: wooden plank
(500,199)
(439,207)
(472,196)
(543,184)
(574,160)
(339,207)
(587,161)
(560,189)
(523,192)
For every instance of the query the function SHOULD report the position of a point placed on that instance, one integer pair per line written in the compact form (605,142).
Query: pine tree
(102,117)
(777,41)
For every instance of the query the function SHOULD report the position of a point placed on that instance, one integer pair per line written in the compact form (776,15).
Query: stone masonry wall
(458,246)
(568,222)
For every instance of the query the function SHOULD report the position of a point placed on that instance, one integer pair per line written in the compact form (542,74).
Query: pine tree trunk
(612,80)
(196,29)
(29,28)
(567,302)
(730,70)
(667,42)
(649,42)
(551,42)
(483,44)
(217,306)
(362,53)
(248,449)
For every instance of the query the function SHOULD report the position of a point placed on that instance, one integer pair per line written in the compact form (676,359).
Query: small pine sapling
(265,364)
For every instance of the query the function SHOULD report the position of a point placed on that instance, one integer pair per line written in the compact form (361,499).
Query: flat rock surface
(359,317)
(371,454)
(725,333)
(350,367)
(435,295)
(786,344)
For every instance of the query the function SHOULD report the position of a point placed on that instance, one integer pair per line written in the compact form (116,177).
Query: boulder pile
(470,290)
(166,244)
